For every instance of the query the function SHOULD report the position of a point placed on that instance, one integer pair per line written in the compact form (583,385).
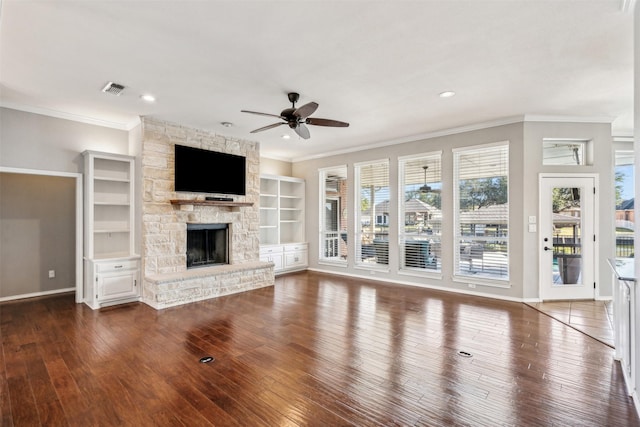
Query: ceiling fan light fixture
(227,124)
(297,118)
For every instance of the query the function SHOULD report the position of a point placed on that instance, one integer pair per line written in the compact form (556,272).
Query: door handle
(547,248)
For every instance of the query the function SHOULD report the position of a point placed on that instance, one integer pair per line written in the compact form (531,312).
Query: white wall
(636,50)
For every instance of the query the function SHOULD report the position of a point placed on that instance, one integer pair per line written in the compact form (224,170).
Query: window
(420,206)
(372,219)
(482,211)
(333,214)
(566,152)
(625,201)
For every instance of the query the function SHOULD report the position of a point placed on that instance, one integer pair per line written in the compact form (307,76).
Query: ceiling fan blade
(303,131)
(267,127)
(326,122)
(306,110)
(262,114)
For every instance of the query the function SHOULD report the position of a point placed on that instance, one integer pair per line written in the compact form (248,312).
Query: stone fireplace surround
(166,280)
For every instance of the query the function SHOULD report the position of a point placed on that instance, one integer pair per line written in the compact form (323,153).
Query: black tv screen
(205,171)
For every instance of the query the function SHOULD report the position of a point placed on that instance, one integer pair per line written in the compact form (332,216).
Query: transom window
(565,152)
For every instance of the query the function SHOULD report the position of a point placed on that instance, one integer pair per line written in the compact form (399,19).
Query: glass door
(567,238)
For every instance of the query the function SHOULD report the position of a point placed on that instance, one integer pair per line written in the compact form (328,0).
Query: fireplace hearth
(207,245)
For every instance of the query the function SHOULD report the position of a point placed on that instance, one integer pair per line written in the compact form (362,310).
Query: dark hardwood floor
(314,350)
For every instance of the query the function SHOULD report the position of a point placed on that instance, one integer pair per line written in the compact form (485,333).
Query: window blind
(333,211)
(420,212)
(481,211)
(373,215)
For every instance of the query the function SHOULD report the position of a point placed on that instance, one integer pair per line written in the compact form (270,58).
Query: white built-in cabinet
(282,232)
(111,266)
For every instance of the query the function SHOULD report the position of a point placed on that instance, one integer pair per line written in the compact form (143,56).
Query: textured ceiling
(378,65)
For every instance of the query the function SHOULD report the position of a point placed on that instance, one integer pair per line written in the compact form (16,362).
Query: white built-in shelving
(111,264)
(282,232)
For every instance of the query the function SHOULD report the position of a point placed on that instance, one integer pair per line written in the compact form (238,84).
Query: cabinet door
(275,258)
(113,286)
(295,259)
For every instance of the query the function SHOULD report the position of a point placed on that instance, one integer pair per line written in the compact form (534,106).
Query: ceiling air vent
(113,88)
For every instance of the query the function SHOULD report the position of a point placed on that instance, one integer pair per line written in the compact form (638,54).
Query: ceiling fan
(425,189)
(298,118)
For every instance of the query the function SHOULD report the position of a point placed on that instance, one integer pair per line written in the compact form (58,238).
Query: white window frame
(485,278)
(435,271)
(322,197)
(360,261)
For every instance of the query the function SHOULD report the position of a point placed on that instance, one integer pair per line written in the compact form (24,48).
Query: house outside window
(333,215)
(372,213)
(481,203)
(420,181)
(625,203)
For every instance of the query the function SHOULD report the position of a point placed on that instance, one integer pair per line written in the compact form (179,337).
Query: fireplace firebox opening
(207,245)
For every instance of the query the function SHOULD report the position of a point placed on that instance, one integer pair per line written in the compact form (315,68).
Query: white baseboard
(37,294)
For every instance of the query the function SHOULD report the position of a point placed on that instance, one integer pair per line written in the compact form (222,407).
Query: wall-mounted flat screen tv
(206,171)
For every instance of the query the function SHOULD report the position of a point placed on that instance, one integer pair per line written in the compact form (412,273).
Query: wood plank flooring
(314,350)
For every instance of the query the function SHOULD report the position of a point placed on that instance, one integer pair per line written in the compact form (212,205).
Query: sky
(627,184)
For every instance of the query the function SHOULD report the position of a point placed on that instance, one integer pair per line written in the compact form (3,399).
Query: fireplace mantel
(210,203)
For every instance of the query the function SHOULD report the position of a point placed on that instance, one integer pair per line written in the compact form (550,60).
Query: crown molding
(73,117)
(568,119)
(418,137)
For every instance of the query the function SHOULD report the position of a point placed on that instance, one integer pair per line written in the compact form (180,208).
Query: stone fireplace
(166,226)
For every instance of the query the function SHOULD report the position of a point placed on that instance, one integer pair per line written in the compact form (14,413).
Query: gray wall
(274,167)
(525,164)
(602,164)
(37,233)
(36,142)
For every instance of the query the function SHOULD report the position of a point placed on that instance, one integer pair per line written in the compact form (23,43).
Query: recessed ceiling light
(226,124)
(285,136)
(148,98)
(447,94)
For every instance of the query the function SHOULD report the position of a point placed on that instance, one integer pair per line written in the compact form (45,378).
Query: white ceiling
(378,65)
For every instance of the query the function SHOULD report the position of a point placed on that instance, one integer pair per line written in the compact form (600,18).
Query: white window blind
(420,212)
(564,152)
(372,207)
(481,180)
(333,214)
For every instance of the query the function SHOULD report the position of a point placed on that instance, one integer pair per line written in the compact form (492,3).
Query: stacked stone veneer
(166,280)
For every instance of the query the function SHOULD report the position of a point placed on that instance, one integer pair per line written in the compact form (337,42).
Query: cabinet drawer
(112,266)
(295,247)
(270,250)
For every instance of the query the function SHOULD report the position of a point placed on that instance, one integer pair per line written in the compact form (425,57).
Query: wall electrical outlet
(52,274)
